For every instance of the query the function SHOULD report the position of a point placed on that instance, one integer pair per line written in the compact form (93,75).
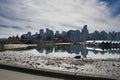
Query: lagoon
(69,50)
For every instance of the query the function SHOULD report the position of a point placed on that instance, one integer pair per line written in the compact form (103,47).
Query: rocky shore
(33,59)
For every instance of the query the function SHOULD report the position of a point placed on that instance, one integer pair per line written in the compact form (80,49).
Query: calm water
(72,50)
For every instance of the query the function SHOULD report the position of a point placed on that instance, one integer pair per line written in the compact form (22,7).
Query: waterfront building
(77,35)
(96,35)
(41,33)
(103,35)
(109,36)
(69,35)
(85,33)
(63,35)
(118,36)
(29,34)
(91,36)
(114,35)
(57,35)
(47,31)
(49,34)
(73,36)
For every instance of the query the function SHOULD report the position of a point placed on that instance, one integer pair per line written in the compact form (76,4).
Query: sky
(21,16)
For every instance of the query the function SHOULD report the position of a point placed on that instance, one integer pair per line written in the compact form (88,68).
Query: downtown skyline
(69,36)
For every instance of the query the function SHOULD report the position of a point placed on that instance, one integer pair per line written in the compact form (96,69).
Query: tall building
(77,35)
(29,33)
(91,36)
(73,36)
(85,33)
(96,35)
(103,35)
(63,35)
(118,36)
(47,31)
(114,35)
(57,35)
(109,36)
(41,33)
(49,34)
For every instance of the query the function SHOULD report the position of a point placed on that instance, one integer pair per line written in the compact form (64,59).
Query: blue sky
(114,5)
(21,16)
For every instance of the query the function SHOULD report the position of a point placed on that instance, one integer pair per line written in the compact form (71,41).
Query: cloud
(58,15)
(113,6)
(13,27)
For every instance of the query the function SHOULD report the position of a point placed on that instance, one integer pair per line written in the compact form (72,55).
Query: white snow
(12,46)
(102,56)
(34,59)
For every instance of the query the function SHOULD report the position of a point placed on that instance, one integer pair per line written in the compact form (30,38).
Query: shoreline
(15,46)
(33,60)
(63,66)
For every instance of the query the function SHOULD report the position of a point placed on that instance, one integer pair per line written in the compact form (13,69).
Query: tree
(17,37)
(9,37)
(13,37)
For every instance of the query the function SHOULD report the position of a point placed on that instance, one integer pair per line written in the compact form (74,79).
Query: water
(72,50)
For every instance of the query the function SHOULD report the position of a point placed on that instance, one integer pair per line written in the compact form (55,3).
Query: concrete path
(14,75)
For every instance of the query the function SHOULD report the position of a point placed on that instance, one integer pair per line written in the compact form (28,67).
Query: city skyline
(18,17)
(71,35)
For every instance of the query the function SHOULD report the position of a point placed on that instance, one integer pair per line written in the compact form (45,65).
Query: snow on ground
(32,58)
(12,46)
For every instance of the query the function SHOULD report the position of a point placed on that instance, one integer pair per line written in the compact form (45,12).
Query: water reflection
(76,49)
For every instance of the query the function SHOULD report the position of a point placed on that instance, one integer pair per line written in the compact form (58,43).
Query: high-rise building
(47,31)
(96,35)
(114,35)
(49,34)
(118,36)
(41,33)
(29,33)
(85,33)
(63,36)
(69,35)
(77,35)
(103,35)
(109,36)
(73,36)
(63,33)
(57,35)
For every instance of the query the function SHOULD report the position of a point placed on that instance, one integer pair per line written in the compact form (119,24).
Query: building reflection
(75,48)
